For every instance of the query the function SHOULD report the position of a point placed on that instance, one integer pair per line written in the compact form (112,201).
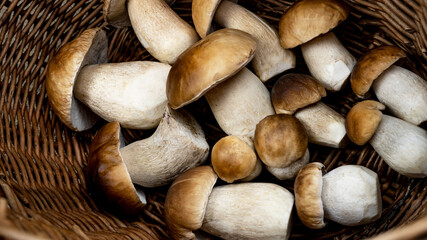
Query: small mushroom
(177,145)
(401,90)
(291,171)
(325,56)
(349,195)
(299,94)
(191,203)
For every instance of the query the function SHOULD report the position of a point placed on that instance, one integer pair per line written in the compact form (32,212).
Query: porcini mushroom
(349,195)
(177,145)
(191,203)
(299,94)
(132,93)
(325,56)
(401,90)
(291,171)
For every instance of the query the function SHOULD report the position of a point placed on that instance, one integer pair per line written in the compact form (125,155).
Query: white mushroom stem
(131,93)
(291,171)
(324,126)
(177,145)
(249,211)
(404,93)
(402,145)
(270,57)
(328,61)
(160,30)
(239,103)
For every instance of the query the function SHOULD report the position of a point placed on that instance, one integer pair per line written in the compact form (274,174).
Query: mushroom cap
(371,65)
(280,140)
(362,121)
(308,195)
(202,12)
(186,201)
(291,171)
(107,174)
(308,19)
(115,13)
(233,159)
(207,63)
(294,91)
(351,195)
(90,47)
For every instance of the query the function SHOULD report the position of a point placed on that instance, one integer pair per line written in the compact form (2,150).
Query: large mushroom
(326,58)
(401,90)
(193,202)
(132,93)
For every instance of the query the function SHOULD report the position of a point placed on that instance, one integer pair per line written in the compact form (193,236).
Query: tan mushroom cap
(186,201)
(308,19)
(280,140)
(90,47)
(202,12)
(207,63)
(107,173)
(233,159)
(308,195)
(294,91)
(362,121)
(371,65)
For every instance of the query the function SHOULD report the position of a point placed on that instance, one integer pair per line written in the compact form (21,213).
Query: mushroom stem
(402,145)
(132,93)
(404,93)
(324,126)
(328,61)
(177,145)
(249,93)
(268,205)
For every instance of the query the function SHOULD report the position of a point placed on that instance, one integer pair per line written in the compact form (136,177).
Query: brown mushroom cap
(186,201)
(308,195)
(202,12)
(280,140)
(362,121)
(371,65)
(90,47)
(233,159)
(115,13)
(107,174)
(293,91)
(207,63)
(308,19)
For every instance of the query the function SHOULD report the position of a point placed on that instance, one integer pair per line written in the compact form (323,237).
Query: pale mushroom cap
(202,12)
(249,211)
(402,145)
(160,30)
(291,171)
(90,47)
(308,19)
(404,93)
(308,192)
(232,159)
(371,65)
(351,195)
(116,13)
(207,63)
(132,93)
(108,175)
(362,121)
(280,140)
(294,91)
(270,58)
(186,201)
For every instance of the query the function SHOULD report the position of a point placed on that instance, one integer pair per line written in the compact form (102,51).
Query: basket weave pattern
(42,181)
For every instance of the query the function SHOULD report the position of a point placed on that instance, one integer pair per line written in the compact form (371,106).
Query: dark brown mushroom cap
(308,195)
(280,140)
(308,19)
(186,201)
(362,121)
(294,91)
(207,63)
(371,65)
(107,173)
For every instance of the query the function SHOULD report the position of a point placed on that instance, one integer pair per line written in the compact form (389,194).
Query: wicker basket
(42,185)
